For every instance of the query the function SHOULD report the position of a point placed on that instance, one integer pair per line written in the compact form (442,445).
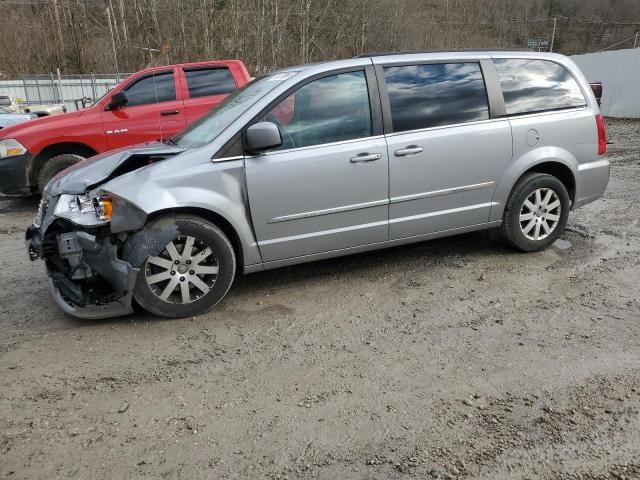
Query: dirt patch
(456,358)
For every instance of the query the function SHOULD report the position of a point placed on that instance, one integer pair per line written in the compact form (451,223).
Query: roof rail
(453,50)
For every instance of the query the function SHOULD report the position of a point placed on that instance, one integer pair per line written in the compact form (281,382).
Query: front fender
(236,213)
(524,163)
(219,188)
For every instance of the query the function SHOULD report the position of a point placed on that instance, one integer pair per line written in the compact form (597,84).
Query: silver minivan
(323,160)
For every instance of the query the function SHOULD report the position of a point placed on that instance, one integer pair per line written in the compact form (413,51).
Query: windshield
(207,128)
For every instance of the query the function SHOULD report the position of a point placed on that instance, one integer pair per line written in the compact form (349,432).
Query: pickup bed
(151,104)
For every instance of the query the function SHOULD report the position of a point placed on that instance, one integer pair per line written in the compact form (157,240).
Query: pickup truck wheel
(55,165)
(191,274)
(536,212)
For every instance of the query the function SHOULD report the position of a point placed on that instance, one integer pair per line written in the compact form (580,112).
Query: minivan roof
(447,50)
(383,58)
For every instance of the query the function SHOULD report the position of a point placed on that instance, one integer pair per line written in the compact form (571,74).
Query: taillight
(602,135)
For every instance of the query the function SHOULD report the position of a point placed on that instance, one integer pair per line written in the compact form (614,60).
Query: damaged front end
(91,241)
(87,277)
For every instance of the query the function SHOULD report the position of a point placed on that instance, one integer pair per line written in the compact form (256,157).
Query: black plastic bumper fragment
(87,279)
(13,175)
(149,241)
(102,257)
(69,289)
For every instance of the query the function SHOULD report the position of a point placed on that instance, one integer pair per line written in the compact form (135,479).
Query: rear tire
(55,165)
(192,273)
(536,212)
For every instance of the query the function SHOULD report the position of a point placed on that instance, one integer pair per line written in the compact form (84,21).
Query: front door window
(330,109)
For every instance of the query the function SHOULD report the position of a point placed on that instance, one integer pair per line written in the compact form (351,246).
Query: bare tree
(75,35)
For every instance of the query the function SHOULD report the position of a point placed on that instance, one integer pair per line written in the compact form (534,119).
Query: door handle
(166,113)
(365,157)
(410,150)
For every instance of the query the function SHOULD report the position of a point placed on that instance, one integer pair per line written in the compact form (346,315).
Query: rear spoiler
(597,90)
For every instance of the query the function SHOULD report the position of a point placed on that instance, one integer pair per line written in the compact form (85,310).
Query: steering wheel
(287,139)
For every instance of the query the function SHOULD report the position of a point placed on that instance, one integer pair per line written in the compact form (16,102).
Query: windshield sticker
(281,77)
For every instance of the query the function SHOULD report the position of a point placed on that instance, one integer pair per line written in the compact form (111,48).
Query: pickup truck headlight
(11,148)
(84,210)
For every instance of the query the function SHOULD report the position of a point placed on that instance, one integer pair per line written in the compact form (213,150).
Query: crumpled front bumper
(116,308)
(97,256)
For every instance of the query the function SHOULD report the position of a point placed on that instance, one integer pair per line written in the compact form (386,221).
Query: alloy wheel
(540,214)
(185,271)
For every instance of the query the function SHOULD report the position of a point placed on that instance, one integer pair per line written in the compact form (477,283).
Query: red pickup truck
(151,104)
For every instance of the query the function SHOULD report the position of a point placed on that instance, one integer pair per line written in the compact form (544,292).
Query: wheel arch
(558,170)
(218,220)
(53,150)
(552,161)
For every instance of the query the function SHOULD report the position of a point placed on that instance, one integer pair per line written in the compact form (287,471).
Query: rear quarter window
(531,86)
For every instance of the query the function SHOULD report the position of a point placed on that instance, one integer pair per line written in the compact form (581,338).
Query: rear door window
(204,81)
(159,87)
(434,95)
(531,86)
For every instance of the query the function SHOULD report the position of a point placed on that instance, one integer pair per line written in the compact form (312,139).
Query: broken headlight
(84,210)
(103,208)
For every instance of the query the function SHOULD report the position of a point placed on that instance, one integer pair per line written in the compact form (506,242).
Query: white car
(12,105)
(45,110)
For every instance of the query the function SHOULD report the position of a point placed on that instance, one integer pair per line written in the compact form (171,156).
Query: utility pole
(553,35)
(113,41)
(56,14)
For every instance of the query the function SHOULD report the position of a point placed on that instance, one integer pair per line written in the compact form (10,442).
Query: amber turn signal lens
(14,151)
(103,207)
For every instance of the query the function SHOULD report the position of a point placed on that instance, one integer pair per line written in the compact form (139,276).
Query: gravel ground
(455,358)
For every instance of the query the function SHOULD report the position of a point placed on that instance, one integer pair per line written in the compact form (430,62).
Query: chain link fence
(74,91)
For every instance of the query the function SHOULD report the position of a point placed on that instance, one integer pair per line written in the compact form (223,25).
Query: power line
(620,43)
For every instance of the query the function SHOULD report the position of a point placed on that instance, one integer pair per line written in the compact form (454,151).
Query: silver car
(324,160)
(8,118)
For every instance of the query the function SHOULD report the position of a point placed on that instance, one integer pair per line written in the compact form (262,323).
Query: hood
(37,124)
(89,173)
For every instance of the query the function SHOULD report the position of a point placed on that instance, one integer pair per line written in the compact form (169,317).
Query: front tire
(55,165)
(191,274)
(536,212)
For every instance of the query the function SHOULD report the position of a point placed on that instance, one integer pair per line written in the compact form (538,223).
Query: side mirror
(119,99)
(262,136)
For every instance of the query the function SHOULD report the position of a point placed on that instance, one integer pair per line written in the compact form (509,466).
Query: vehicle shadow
(9,204)
(487,242)
(433,252)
